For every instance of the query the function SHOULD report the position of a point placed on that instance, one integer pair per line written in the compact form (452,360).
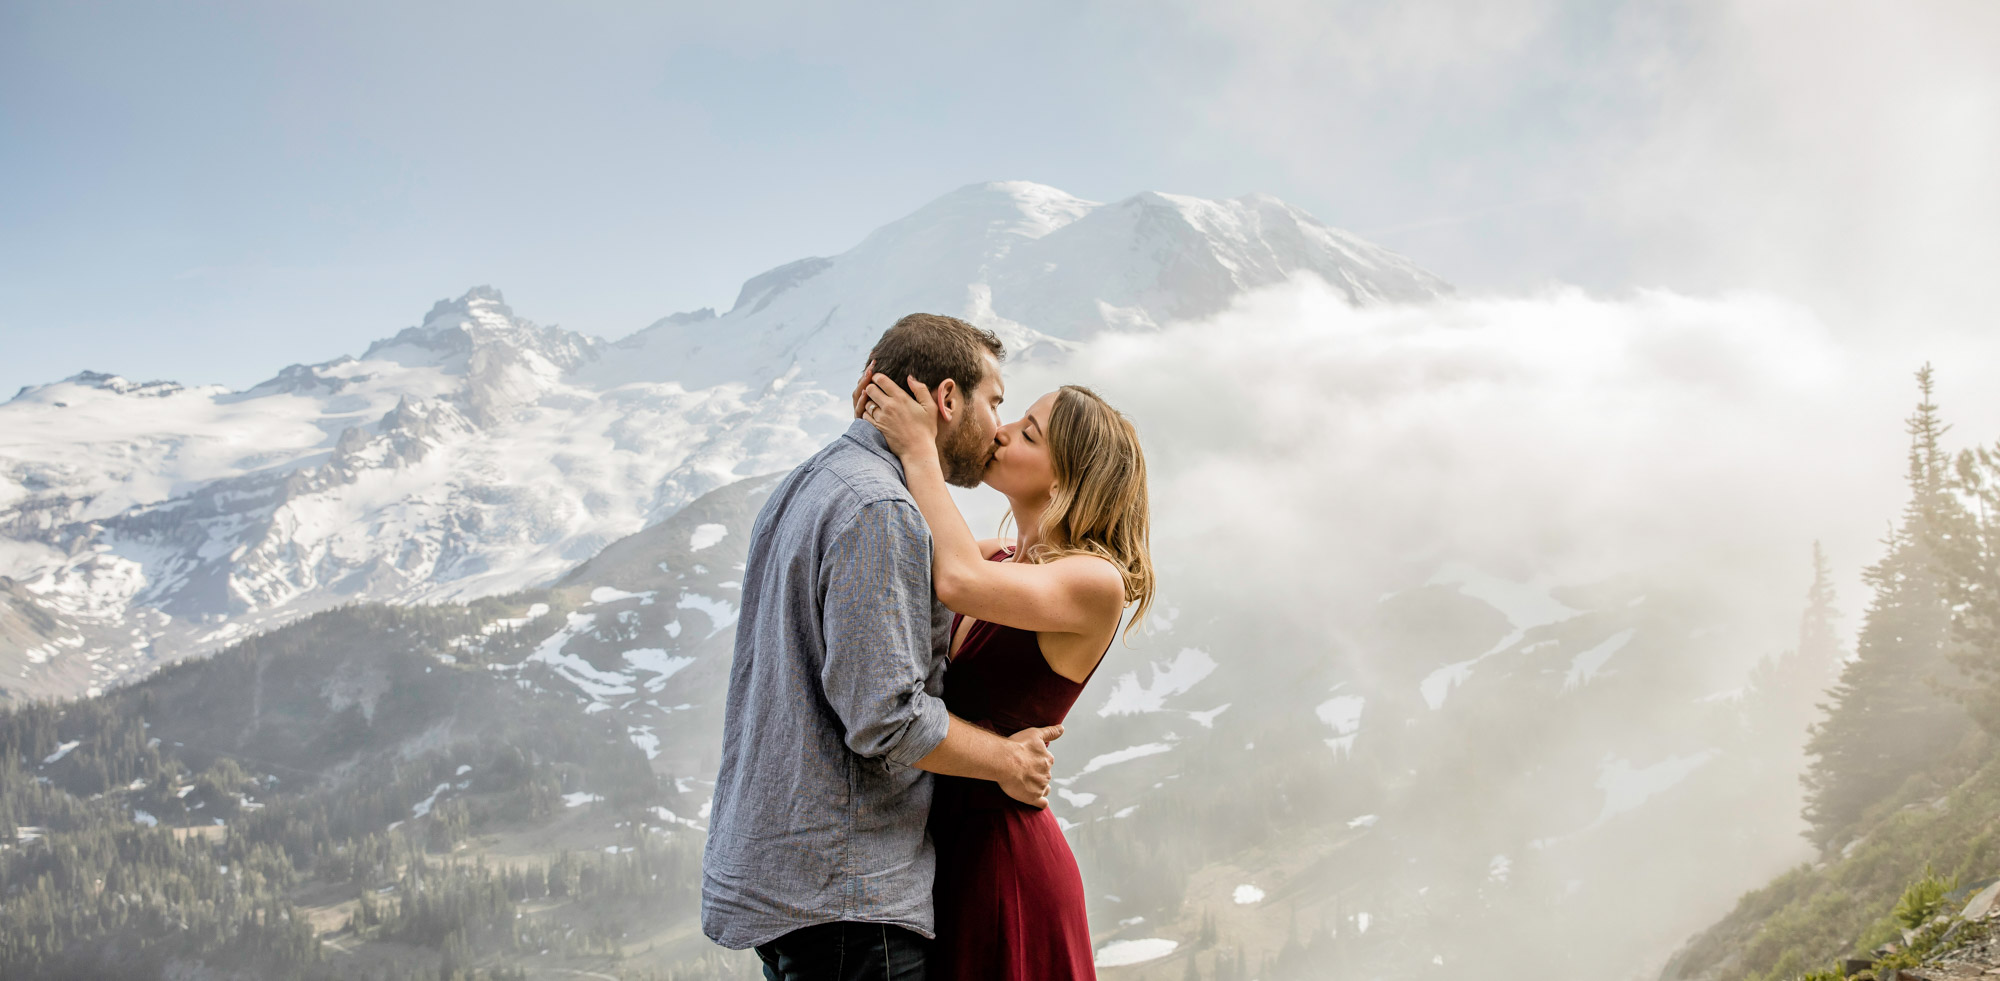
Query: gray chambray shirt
(840,653)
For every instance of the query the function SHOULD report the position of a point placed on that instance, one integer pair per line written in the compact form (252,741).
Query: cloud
(1838,153)
(1841,152)
(1307,454)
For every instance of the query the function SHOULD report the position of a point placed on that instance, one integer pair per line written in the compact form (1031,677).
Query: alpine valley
(410,664)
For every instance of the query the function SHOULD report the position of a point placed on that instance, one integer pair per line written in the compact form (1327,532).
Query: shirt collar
(871,439)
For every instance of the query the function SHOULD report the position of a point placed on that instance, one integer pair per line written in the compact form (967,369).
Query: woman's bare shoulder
(1096,575)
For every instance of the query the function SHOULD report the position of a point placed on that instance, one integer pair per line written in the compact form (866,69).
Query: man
(817,854)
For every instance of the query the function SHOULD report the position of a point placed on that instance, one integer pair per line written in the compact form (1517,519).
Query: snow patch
(606,594)
(1120,953)
(1526,605)
(706,535)
(1129,697)
(1586,664)
(1247,895)
(1075,798)
(672,818)
(423,807)
(719,612)
(1439,683)
(1343,713)
(1207,719)
(657,662)
(596,683)
(1626,787)
(1116,757)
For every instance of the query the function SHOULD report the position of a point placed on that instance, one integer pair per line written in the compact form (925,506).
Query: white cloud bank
(1303,450)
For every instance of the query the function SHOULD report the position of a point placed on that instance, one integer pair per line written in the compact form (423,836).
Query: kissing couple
(881,811)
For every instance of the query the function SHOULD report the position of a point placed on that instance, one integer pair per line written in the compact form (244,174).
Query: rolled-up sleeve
(876,580)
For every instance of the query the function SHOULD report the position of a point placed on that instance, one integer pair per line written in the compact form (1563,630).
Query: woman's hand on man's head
(861,389)
(908,421)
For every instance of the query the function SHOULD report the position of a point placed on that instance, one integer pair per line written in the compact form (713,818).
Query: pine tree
(1786,688)
(1974,585)
(1888,716)
(1819,642)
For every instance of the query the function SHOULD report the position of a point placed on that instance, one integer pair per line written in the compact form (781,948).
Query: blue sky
(208,194)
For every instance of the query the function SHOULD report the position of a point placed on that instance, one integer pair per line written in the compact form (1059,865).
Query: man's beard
(964,455)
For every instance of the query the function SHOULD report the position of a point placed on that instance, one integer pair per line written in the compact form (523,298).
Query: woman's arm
(1078,594)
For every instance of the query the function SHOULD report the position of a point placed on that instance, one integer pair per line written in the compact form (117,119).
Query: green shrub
(1924,899)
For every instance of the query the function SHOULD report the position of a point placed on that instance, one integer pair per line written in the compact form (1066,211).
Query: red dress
(1010,903)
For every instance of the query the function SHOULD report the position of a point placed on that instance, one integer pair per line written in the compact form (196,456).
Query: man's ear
(946,395)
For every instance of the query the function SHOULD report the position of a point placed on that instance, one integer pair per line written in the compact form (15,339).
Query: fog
(1461,603)
(1301,447)
(1329,486)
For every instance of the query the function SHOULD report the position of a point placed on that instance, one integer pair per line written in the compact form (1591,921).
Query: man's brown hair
(932,348)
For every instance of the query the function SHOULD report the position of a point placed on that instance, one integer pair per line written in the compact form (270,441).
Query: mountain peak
(1031,261)
(761,288)
(478,303)
(976,214)
(106,382)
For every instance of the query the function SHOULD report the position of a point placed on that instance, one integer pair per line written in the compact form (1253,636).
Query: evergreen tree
(1974,585)
(1785,689)
(1888,716)
(1819,641)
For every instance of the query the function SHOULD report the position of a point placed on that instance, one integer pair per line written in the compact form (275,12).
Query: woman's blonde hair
(1099,505)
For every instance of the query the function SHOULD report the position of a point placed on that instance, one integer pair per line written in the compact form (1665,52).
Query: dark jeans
(846,952)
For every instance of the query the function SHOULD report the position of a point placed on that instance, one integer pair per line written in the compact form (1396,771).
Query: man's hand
(1020,763)
(1033,765)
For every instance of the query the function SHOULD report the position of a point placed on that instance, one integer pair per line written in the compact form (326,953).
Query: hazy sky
(210,193)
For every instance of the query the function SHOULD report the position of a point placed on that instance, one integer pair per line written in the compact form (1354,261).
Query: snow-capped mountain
(1409,764)
(478,452)
(1038,266)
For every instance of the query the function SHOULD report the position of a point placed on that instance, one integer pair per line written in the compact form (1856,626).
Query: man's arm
(1021,764)
(875,619)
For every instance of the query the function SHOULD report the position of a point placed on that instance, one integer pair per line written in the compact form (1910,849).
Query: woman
(1035,616)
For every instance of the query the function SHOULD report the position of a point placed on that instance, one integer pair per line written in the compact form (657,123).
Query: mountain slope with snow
(1038,266)
(479,453)
(1407,754)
